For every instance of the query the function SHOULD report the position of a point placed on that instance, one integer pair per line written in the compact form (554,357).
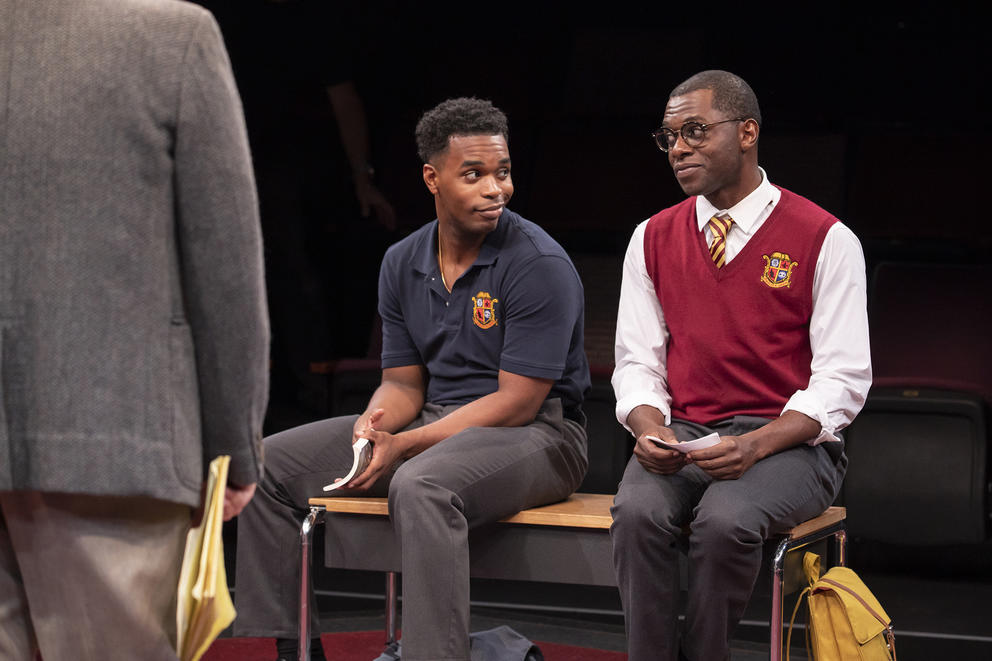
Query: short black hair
(457,117)
(731,94)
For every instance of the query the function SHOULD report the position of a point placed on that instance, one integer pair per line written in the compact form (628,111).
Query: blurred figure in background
(325,222)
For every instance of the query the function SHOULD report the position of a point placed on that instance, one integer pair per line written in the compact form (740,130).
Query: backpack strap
(792,620)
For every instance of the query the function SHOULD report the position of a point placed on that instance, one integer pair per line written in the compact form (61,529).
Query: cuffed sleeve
(841,364)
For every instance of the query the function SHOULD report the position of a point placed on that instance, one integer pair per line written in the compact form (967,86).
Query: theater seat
(918,452)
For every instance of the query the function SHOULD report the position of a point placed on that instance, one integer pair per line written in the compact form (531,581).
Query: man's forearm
(735,455)
(488,411)
(352,125)
(401,405)
(644,418)
(515,403)
(788,430)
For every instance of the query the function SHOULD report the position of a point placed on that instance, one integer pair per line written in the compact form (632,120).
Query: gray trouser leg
(475,477)
(298,463)
(730,521)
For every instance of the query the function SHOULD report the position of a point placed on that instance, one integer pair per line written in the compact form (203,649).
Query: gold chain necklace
(440,261)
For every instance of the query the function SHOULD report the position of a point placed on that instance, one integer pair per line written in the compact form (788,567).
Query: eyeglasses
(692,132)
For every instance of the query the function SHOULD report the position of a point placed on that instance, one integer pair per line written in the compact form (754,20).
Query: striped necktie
(720,227)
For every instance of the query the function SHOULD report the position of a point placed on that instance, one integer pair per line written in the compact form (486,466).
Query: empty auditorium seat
(919,470)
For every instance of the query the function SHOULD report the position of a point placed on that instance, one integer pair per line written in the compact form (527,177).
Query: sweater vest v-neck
(738,335)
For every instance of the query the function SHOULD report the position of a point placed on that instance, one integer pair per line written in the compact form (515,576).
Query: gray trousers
(475,477)
(729,522)
(89,577)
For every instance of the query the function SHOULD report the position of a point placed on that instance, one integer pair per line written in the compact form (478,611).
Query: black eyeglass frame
(661,139)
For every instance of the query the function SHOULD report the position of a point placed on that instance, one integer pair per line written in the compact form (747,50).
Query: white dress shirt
(838,335)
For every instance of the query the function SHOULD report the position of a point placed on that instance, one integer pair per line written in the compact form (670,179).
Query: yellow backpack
(846,622)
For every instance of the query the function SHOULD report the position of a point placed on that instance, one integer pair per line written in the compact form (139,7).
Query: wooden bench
(566,542)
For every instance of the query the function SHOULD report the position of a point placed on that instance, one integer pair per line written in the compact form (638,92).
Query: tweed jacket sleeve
(220,256)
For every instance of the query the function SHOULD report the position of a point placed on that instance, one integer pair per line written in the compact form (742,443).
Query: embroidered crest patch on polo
(778,270)
(484,310)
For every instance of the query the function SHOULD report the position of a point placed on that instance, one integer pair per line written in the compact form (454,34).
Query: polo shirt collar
(493,242)
(424,257)
(745,213)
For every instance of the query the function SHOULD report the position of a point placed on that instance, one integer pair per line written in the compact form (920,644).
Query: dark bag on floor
(499,644)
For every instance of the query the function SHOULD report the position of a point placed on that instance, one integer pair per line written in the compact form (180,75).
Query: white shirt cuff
(803,403)
(644,398)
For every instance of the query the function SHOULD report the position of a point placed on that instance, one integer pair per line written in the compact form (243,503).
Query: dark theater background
(882,116)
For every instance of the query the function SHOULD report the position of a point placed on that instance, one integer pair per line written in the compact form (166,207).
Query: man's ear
(430,178)
(749,130)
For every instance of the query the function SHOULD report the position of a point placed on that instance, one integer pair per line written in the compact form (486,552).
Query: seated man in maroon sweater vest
(742,313)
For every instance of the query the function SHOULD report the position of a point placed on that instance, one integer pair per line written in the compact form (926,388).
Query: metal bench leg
(840,547)
(778,589)
(776,621)
(391,600)
(315,517)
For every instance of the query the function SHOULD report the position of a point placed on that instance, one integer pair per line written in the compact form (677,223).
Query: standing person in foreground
(758,332)
(478,414)
(133,331)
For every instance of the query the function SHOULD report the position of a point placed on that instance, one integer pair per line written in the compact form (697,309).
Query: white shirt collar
(745,213)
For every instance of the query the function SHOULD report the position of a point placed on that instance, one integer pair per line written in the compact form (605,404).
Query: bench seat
(565,542)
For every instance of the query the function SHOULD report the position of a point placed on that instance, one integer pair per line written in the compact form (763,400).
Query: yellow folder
(205,608)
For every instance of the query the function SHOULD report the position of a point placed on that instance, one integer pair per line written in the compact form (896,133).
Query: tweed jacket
(133,328)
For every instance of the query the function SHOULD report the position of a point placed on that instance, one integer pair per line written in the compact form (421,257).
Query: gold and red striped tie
(720,227)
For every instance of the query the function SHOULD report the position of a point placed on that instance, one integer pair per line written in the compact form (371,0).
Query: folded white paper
(688,446)
(363,455)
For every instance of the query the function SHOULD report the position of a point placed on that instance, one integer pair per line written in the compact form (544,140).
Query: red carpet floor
(366,645)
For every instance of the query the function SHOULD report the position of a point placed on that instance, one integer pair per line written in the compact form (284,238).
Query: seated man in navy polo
(478,414)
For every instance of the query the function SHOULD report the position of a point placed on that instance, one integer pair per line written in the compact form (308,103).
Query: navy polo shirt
(519,308)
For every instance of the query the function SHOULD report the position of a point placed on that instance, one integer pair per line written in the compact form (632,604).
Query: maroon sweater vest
(738,336)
